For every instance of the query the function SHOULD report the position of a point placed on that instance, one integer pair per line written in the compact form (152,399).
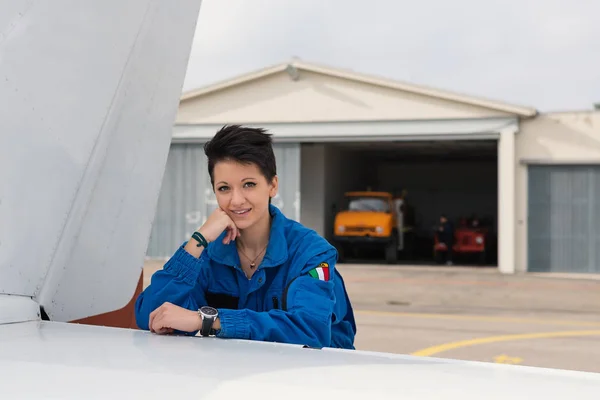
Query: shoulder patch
(321,272)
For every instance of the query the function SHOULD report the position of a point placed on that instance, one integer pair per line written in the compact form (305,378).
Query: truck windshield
(368,204)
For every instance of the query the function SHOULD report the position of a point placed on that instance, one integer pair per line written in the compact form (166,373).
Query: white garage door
(564,219)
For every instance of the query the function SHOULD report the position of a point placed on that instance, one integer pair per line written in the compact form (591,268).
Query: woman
(249,272)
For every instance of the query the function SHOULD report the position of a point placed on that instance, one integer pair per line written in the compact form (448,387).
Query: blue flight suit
(288,299)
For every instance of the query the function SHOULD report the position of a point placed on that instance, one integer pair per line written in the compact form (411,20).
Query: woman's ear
(274,187)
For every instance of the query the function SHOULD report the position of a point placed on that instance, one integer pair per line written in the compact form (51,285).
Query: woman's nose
(237,197)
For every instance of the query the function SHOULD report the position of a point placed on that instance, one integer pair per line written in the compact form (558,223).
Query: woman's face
(243,192)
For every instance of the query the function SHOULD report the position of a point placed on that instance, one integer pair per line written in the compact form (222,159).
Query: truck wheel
(391,251)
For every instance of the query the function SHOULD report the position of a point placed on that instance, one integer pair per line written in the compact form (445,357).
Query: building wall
(312,187)
(555,138)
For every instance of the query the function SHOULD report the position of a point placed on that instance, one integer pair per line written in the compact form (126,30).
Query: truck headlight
(341,228)
(379,229)
(479,240)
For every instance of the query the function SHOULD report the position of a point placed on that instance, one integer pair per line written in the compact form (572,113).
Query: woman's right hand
(216,223)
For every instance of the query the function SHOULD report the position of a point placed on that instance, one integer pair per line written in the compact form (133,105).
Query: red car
(468,240)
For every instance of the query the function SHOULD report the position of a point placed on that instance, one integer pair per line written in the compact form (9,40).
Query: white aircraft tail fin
(88,95)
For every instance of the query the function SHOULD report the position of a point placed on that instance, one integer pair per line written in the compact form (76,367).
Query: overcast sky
(540,53)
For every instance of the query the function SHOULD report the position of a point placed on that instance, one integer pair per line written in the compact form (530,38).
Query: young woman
(249,272)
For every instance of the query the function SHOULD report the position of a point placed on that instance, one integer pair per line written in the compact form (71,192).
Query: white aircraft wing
(71,361)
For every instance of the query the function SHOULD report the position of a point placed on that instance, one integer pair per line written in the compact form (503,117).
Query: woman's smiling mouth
(241,212)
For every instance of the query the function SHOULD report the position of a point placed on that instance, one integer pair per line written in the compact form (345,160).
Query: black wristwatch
(208,315)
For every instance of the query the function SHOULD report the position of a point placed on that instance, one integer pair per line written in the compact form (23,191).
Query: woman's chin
(242,225)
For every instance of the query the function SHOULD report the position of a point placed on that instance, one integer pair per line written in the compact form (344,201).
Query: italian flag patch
(321,272)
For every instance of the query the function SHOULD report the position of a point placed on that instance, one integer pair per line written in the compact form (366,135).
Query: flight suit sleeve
(306,315)
(182,281)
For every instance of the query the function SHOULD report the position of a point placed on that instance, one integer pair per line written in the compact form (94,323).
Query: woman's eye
(223,188)
(250,184)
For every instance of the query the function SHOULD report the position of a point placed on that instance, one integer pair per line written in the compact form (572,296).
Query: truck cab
(368,219)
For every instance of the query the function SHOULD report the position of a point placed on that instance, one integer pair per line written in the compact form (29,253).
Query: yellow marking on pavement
(504,338)
(480,318)
(504,359)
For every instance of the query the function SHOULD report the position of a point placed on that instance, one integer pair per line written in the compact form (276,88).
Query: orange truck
(369,219)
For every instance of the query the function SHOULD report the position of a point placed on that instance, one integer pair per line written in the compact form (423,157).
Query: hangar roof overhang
(363,131)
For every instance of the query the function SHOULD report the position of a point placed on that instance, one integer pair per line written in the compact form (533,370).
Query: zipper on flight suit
(285,292)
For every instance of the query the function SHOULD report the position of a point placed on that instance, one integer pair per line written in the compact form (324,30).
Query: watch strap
(207,323)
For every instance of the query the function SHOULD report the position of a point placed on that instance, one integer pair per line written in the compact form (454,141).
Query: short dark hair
(244,145)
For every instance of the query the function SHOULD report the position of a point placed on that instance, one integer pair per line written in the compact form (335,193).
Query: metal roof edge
(457,129)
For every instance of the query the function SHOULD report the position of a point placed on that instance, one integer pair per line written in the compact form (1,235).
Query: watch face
(210,311)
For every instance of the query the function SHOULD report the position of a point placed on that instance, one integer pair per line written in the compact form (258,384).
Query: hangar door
(187,199)
(564,219)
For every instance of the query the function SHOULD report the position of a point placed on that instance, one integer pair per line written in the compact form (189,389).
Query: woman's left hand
(169,317)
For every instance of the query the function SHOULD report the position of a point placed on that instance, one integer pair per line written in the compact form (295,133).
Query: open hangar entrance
(457,178)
